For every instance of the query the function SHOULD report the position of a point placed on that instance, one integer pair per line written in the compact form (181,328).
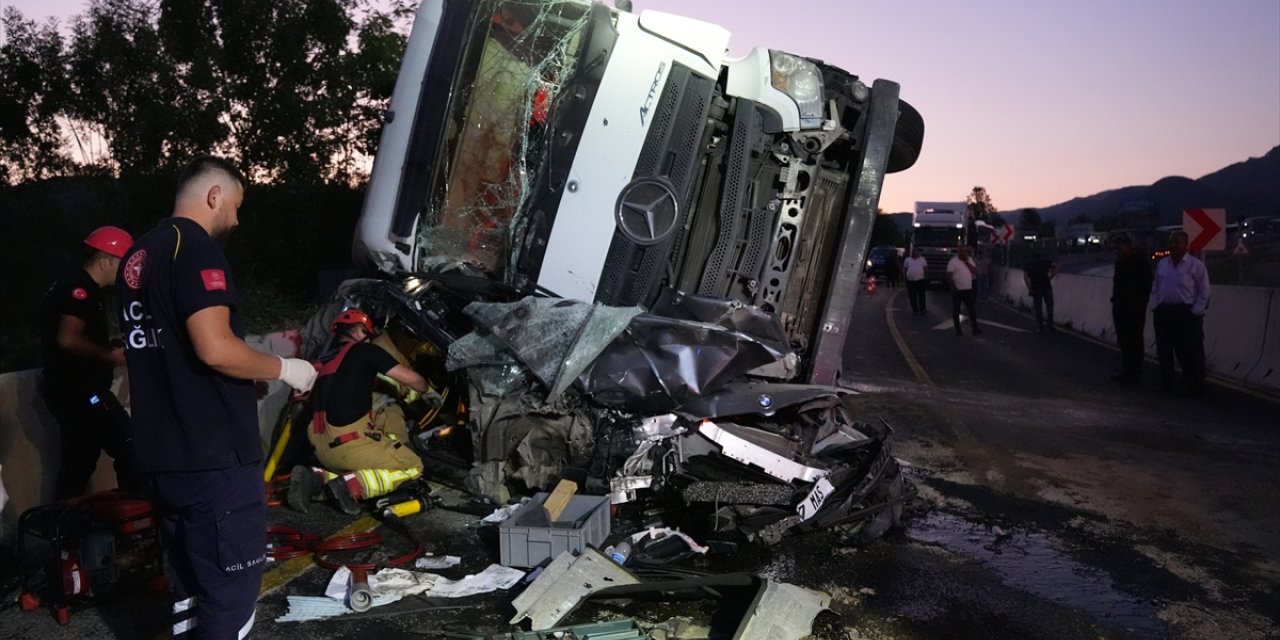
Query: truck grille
(632,272)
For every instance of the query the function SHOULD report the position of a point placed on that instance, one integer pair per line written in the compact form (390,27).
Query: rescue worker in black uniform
(78,363)
(191,376)
(364,448)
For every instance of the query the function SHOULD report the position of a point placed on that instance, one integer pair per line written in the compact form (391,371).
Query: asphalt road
(1052,504)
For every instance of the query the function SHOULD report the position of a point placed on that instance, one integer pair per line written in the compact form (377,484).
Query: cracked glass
(499,122)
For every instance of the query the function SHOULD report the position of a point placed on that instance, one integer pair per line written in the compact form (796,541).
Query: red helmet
(353,316)
(110,240)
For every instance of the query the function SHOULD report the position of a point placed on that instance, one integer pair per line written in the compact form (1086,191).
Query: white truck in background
(937,228)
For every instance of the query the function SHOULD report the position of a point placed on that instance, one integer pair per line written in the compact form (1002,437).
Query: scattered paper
(493,578)
(437,562)
(304,608)
(402,582)
(502,513)
(657,533)
(387,581)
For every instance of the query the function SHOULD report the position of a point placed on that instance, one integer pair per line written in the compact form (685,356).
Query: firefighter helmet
(353,316)
(110,240)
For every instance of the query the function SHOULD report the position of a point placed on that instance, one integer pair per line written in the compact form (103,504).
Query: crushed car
(621,256)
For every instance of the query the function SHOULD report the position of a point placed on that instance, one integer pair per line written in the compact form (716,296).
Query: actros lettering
(653,92)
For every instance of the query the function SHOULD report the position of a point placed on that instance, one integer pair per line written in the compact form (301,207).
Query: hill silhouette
(1248,188)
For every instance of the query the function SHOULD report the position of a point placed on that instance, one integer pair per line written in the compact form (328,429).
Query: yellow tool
(282,442)
(406,508)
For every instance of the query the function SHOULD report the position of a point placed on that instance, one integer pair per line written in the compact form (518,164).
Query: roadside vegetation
(98,114)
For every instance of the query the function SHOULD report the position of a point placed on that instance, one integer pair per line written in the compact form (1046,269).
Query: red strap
(344,438)
(330,367)
(326,368)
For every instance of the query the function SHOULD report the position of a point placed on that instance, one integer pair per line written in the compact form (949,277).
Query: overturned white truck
(626,258)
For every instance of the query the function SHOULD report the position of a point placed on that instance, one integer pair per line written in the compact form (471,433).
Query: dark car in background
(881,259)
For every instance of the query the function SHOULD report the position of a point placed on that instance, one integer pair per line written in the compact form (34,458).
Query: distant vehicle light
(959,225)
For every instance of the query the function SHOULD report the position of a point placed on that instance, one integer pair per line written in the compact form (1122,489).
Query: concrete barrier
(1266,371)
(1235,328)
(1242,325)
(29,446)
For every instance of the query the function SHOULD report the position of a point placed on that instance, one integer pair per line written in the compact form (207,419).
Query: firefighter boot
(305,485)
(349,504)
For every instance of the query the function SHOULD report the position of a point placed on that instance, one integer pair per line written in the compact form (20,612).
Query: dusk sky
(1039,101)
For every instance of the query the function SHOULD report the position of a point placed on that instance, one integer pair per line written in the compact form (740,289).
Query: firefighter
(78,363)
(364,448)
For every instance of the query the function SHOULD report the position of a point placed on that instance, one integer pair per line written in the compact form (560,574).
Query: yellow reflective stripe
(380,482)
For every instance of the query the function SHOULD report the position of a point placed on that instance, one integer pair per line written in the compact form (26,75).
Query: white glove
(297,373)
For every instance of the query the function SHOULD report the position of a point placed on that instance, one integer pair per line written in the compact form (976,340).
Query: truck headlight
(799,79)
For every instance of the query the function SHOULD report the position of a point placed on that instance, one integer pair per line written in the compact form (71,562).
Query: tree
(980,205)
(885,232)
(124,91)
(1048,229)
(31,94)
(1029,221)
(299,104)
(294,90)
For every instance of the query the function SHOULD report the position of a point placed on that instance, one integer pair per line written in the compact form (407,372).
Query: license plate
(813,501)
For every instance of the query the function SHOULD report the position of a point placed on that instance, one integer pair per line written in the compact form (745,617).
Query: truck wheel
(908,137)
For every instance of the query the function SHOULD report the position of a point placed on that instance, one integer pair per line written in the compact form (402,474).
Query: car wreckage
(623,257)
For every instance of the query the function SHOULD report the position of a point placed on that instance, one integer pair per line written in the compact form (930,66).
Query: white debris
(437,562)
(403,582)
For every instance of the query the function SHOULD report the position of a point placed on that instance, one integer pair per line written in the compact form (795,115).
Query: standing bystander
(1179,299)
(915,266)
(191,376)
(1038,274)
(78,363)
(893,267)
(982,284)
(961,272)
(1130,291)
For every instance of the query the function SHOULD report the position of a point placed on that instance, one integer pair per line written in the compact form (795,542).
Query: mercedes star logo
(647,211)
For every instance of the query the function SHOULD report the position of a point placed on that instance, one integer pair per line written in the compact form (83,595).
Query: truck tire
(908,137)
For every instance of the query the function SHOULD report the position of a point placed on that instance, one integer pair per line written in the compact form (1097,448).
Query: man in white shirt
(1179,298)
(961,271)
(915,266)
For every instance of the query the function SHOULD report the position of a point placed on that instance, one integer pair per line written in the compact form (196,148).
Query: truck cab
(599,214)
(937,228)
(590,153)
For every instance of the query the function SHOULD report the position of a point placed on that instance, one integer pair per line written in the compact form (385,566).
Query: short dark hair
(205,164)
(1122,238)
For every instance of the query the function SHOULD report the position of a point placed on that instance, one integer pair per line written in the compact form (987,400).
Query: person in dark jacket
(79,360)
(196,437)
(1038,275)
(1130,292)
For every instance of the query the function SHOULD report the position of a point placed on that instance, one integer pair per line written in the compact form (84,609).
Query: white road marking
(950,324)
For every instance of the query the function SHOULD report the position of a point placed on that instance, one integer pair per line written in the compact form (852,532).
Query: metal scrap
(564,584)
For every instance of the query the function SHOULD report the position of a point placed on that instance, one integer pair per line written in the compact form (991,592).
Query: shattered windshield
(498,120)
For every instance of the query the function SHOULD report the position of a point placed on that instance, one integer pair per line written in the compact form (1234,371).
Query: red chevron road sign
(1206,229)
